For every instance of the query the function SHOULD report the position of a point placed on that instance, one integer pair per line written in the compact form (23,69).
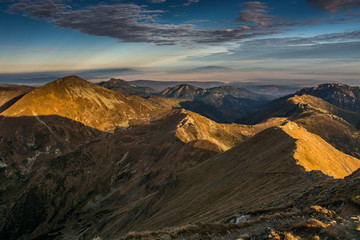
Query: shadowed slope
(81,175)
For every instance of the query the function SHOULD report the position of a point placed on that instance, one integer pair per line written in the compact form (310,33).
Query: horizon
(303,43)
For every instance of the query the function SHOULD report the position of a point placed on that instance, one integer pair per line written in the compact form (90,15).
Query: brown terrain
(79,161)
(9,94)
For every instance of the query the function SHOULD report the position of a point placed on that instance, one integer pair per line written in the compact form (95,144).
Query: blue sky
(274,41)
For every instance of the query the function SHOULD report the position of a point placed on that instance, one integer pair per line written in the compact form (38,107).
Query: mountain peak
(340,95)
(186,86)
(73,79)
(75,98)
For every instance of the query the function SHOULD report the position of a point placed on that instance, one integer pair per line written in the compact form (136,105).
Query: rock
(165,237)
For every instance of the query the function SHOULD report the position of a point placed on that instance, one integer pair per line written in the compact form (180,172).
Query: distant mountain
(340,95)
(270,90)
(10,93)
(222,104)
(127,88)
(161,85)
(205,69)
(208,69)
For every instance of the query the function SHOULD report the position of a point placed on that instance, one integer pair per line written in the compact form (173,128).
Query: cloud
(137,23)
(254,12)
(189,2)
(257,13)
(124,22)
(158,1)
(129,23)
(335,5)
(327,46)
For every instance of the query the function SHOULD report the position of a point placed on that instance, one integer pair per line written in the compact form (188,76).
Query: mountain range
(116,160)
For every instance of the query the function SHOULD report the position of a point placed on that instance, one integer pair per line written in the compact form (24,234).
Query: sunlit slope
(314,153)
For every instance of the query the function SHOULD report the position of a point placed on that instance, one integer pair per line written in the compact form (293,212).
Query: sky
(304,42)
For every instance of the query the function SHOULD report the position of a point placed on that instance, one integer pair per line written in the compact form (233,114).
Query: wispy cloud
(255,12)
(158,1)
(189,2)
(335,5)
(345,45)
(258,13)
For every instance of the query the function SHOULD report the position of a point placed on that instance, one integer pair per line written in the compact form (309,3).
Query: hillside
(221,104)
(82,101)
(260,173)
(340,95)
(9,94)
(99,171)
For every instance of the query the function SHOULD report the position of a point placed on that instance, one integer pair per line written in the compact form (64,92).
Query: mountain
(270,169)
(10,93)
(82,101)
(222,104)
(65,173)
(337,126)
(340,95)
(268,89)
(126,88)
(79,161)
(161,85)
(205,69)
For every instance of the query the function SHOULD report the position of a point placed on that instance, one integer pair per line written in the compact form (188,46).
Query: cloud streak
(257,13)
(254,12)
(328,46)
(335,5)
(189,2)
